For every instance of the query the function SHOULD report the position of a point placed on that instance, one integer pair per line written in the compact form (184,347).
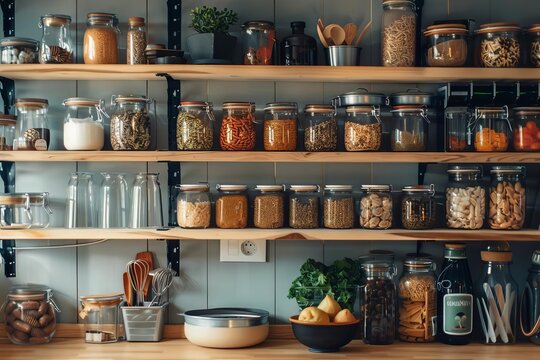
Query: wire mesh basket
(143,323)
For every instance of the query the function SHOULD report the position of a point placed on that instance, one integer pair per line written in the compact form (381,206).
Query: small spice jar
(232,207)
(534,45)
(418,207)
(376,207)
(280,126)
(363,130)
(498,45)
(410,128)
(40,210)
(527,129)
(398,38)
(320,128)
(304,206)
(446,45)
(194,126)
(237,131)
(338,207)
(16,50)
(193,207)
(136,41)
(100,315)
(465,198)
(507,198)
(459,130)
(258,39)
(83,124)
(101,39)
(492,129)
(15,211)
(56,46)
(32,131)
(269,207)
(30,315)
(418,300)
(7,131)
(130,122)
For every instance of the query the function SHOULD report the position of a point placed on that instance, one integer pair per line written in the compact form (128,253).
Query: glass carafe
(56,46)
(80,201)
(298,48)
(146,210)
(530,302)
(113,201)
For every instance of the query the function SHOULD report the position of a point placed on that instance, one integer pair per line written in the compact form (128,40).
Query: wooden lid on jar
(441,29)
(534,28)
(319,108)
(31,103)
(7,120)
(55,20)
(135,21)
(498,27)
(79,101)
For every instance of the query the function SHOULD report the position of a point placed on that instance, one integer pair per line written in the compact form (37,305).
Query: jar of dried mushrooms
(130,122)
(398,40)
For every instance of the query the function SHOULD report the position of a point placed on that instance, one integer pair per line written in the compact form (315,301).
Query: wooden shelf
(275,234)
(265,73)
(272,157)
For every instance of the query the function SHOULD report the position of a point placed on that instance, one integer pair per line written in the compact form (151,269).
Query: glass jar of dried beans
(280,126)
(237,131)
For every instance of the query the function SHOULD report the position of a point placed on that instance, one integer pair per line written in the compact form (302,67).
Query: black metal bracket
(8,93)
(8,10)
(7,251)
(419,6)
(174,24)
(422,169)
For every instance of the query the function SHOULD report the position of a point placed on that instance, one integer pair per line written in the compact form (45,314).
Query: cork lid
(534,28)
(319,108)
(55,20)
(384,187)
(7,120)
(270,188)
(498,27)
(18,41)
(520,111)
(79,101)
(29,292)
(193,187)
(496,256)
(281,106)
(305,188)
(231,187)
(14,199)
(440,29)
(359,109)
(238,105)
(135,21)
(31,103)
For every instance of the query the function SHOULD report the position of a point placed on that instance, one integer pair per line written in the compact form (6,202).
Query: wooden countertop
(62,348)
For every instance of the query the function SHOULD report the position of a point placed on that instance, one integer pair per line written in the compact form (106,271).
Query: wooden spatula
(128,290)
(149,258)
(350,33)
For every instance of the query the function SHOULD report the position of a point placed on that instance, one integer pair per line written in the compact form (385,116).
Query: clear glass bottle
(465,198)
(32,131)
(507,198)
(530,302)
(499,45)
(418,207)
(101,39)
(492,129)
(193,206)
(499,292)
(378,301)
(298,48)
(7,131)
(237,131)
(194,126)
(15,212)
(455,299)
(100,315)
(136,41)
(258,40)
(146,208)
(269,207)
(376,207)
(131,122)
(527,129)
(410,128)
(446,45)
(398,38)
(418,301)
(304,206)
(320,128)
(56,46)
(83,124)
(80,202)
(113,209)
(533,33)
(363,130)
(232,207)
(338,207)
(458,129)
(280,126)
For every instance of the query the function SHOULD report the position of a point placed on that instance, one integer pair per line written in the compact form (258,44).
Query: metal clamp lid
(419,189)
(383,187)
(270,188)
(305,188)
(231,187)
(421,110)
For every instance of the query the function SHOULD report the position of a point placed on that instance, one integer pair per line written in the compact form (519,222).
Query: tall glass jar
(338,207)
(499,45)
(258,40)
(269,207)
(458,129)
(280,126)
(136,41)
(15,211)
(418,207)
(232,207)
(131,122)
(56,46)
(194,126)
(376,207)
(7,131)
(527,129)
(465,198)
(492,129)
(83,124)
(530,302)
(499,291)
(410,128)
(237,131)
(534,45)
(418,301)
(320,128)
(378,301)
(398,44)
(32,131)
(363,130)
(507,198)
(193,207)
(304,206)
(101,39)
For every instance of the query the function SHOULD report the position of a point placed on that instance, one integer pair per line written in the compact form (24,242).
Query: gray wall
(204,281)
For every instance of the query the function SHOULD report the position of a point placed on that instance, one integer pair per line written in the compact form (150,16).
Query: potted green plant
(212,43)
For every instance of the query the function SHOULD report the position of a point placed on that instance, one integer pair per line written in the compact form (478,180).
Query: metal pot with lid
(412,97)
(359,97)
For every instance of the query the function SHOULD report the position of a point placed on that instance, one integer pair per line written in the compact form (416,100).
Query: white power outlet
(242,251)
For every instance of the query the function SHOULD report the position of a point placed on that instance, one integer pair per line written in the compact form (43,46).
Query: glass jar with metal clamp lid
(194,126)
(465,198)
(304,206)
(410,128)
(418,207)
(338,207)
(507,198)
(56,46)
(15,211)
(458,129)
(131,122)
(280,126)
(363,130)
(320,128)
(492,128)
(376,207)
(83,124)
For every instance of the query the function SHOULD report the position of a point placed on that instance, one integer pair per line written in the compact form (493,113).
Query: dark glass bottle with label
(455,301)
(299,48)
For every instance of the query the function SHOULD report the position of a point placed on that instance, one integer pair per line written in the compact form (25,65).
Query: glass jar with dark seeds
(304,206)
(418,207)
(194,126)
(131,122)
(320,128)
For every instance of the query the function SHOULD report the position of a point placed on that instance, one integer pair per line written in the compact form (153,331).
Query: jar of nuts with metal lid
(269,207)
(465,198)
(320,128)
(280,126)
(376,207)
(193,207)
(507,198)
(131,122)
(338,207)
(232,207)
(194,126)
(304,206)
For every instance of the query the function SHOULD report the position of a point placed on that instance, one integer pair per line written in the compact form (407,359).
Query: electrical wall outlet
(242,251)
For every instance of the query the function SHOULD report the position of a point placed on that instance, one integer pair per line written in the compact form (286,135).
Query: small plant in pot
(212,44)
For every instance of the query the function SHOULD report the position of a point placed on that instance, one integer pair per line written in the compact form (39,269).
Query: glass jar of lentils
(418,207)
(465,198)
(507,198)
(193,207)
(498,45)
(376,207)
(194,126)
(280,126)
(304,206)
(232,207)
(269,207)
(320,128)
(338,207)
(131,122)
(237,131)
(398,44)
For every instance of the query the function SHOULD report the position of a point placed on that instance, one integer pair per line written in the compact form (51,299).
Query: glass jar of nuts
(376,207)
(194,126)
(465,198)
(498,45)
(232,207)
(338,207)
(320,128)
(269,207)
(418,207)
(32,131)
(304,206)
(492,128)
(534,45)
(131,122)
(280,126)
(363,128)
(193,207)
(507,198)
(410,128)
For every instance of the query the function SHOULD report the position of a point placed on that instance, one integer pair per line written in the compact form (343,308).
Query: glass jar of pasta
(507,198)
(398,38)
(193,207)
(498,45)
(232,207)
(280,126)
(237,131)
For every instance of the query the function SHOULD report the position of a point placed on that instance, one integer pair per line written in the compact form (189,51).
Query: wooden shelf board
(272,157)
(265,73)
(274,234)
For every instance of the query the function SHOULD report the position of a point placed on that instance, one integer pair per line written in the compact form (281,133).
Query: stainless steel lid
(419,189)
(29,289)
(536,257)
(338,188)
(376,188)
(464,170)
(270,188)
(281,106)
(226,317)
(412,97)
(305,188)
(507,170)
(360,97)
(231,187)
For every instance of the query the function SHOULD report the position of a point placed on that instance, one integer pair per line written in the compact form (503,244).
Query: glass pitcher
(80,201)
(56,46)
(146,210)
(113,201)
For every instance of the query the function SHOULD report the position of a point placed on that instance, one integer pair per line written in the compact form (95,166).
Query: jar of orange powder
(492,129)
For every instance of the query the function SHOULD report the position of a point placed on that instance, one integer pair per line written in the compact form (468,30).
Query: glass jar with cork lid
(232,207)
(193,207)
(338,207)
(100,314)
(398,38)
(269,207)
(32,131)
(194,126)
(280,126)
(83,124)
(136,41)
(237,132)
(320,128)
(304,206)
(101,39)
(131,122)
(56,46)
(7,131)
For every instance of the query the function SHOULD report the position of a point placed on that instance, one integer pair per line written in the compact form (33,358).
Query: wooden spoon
(148,257)
(321,35)
(337,34)
(320,23)
(363,33)
(350,33)
(327,32)
(128,290)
